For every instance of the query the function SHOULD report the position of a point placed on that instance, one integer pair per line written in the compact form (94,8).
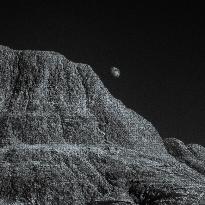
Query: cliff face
(66,140)
(46,98)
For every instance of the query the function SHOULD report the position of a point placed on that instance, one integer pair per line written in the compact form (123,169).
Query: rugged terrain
(64,139)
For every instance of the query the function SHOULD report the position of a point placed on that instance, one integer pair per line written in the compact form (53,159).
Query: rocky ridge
(64,139)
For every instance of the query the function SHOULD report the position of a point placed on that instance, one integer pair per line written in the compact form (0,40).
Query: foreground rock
(66,140)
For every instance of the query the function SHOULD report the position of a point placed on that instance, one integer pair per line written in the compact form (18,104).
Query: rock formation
(64,139)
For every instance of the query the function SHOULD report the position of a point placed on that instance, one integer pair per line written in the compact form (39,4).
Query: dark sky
(158,47)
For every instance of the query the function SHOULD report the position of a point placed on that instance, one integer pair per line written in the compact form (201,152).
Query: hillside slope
(64,139)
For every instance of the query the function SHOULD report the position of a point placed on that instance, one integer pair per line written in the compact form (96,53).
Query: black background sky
(159,48)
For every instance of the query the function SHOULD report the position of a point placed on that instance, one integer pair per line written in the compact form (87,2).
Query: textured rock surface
(66,140)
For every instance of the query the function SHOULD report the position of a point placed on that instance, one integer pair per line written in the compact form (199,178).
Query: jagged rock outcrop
(64,139)
(186,154)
